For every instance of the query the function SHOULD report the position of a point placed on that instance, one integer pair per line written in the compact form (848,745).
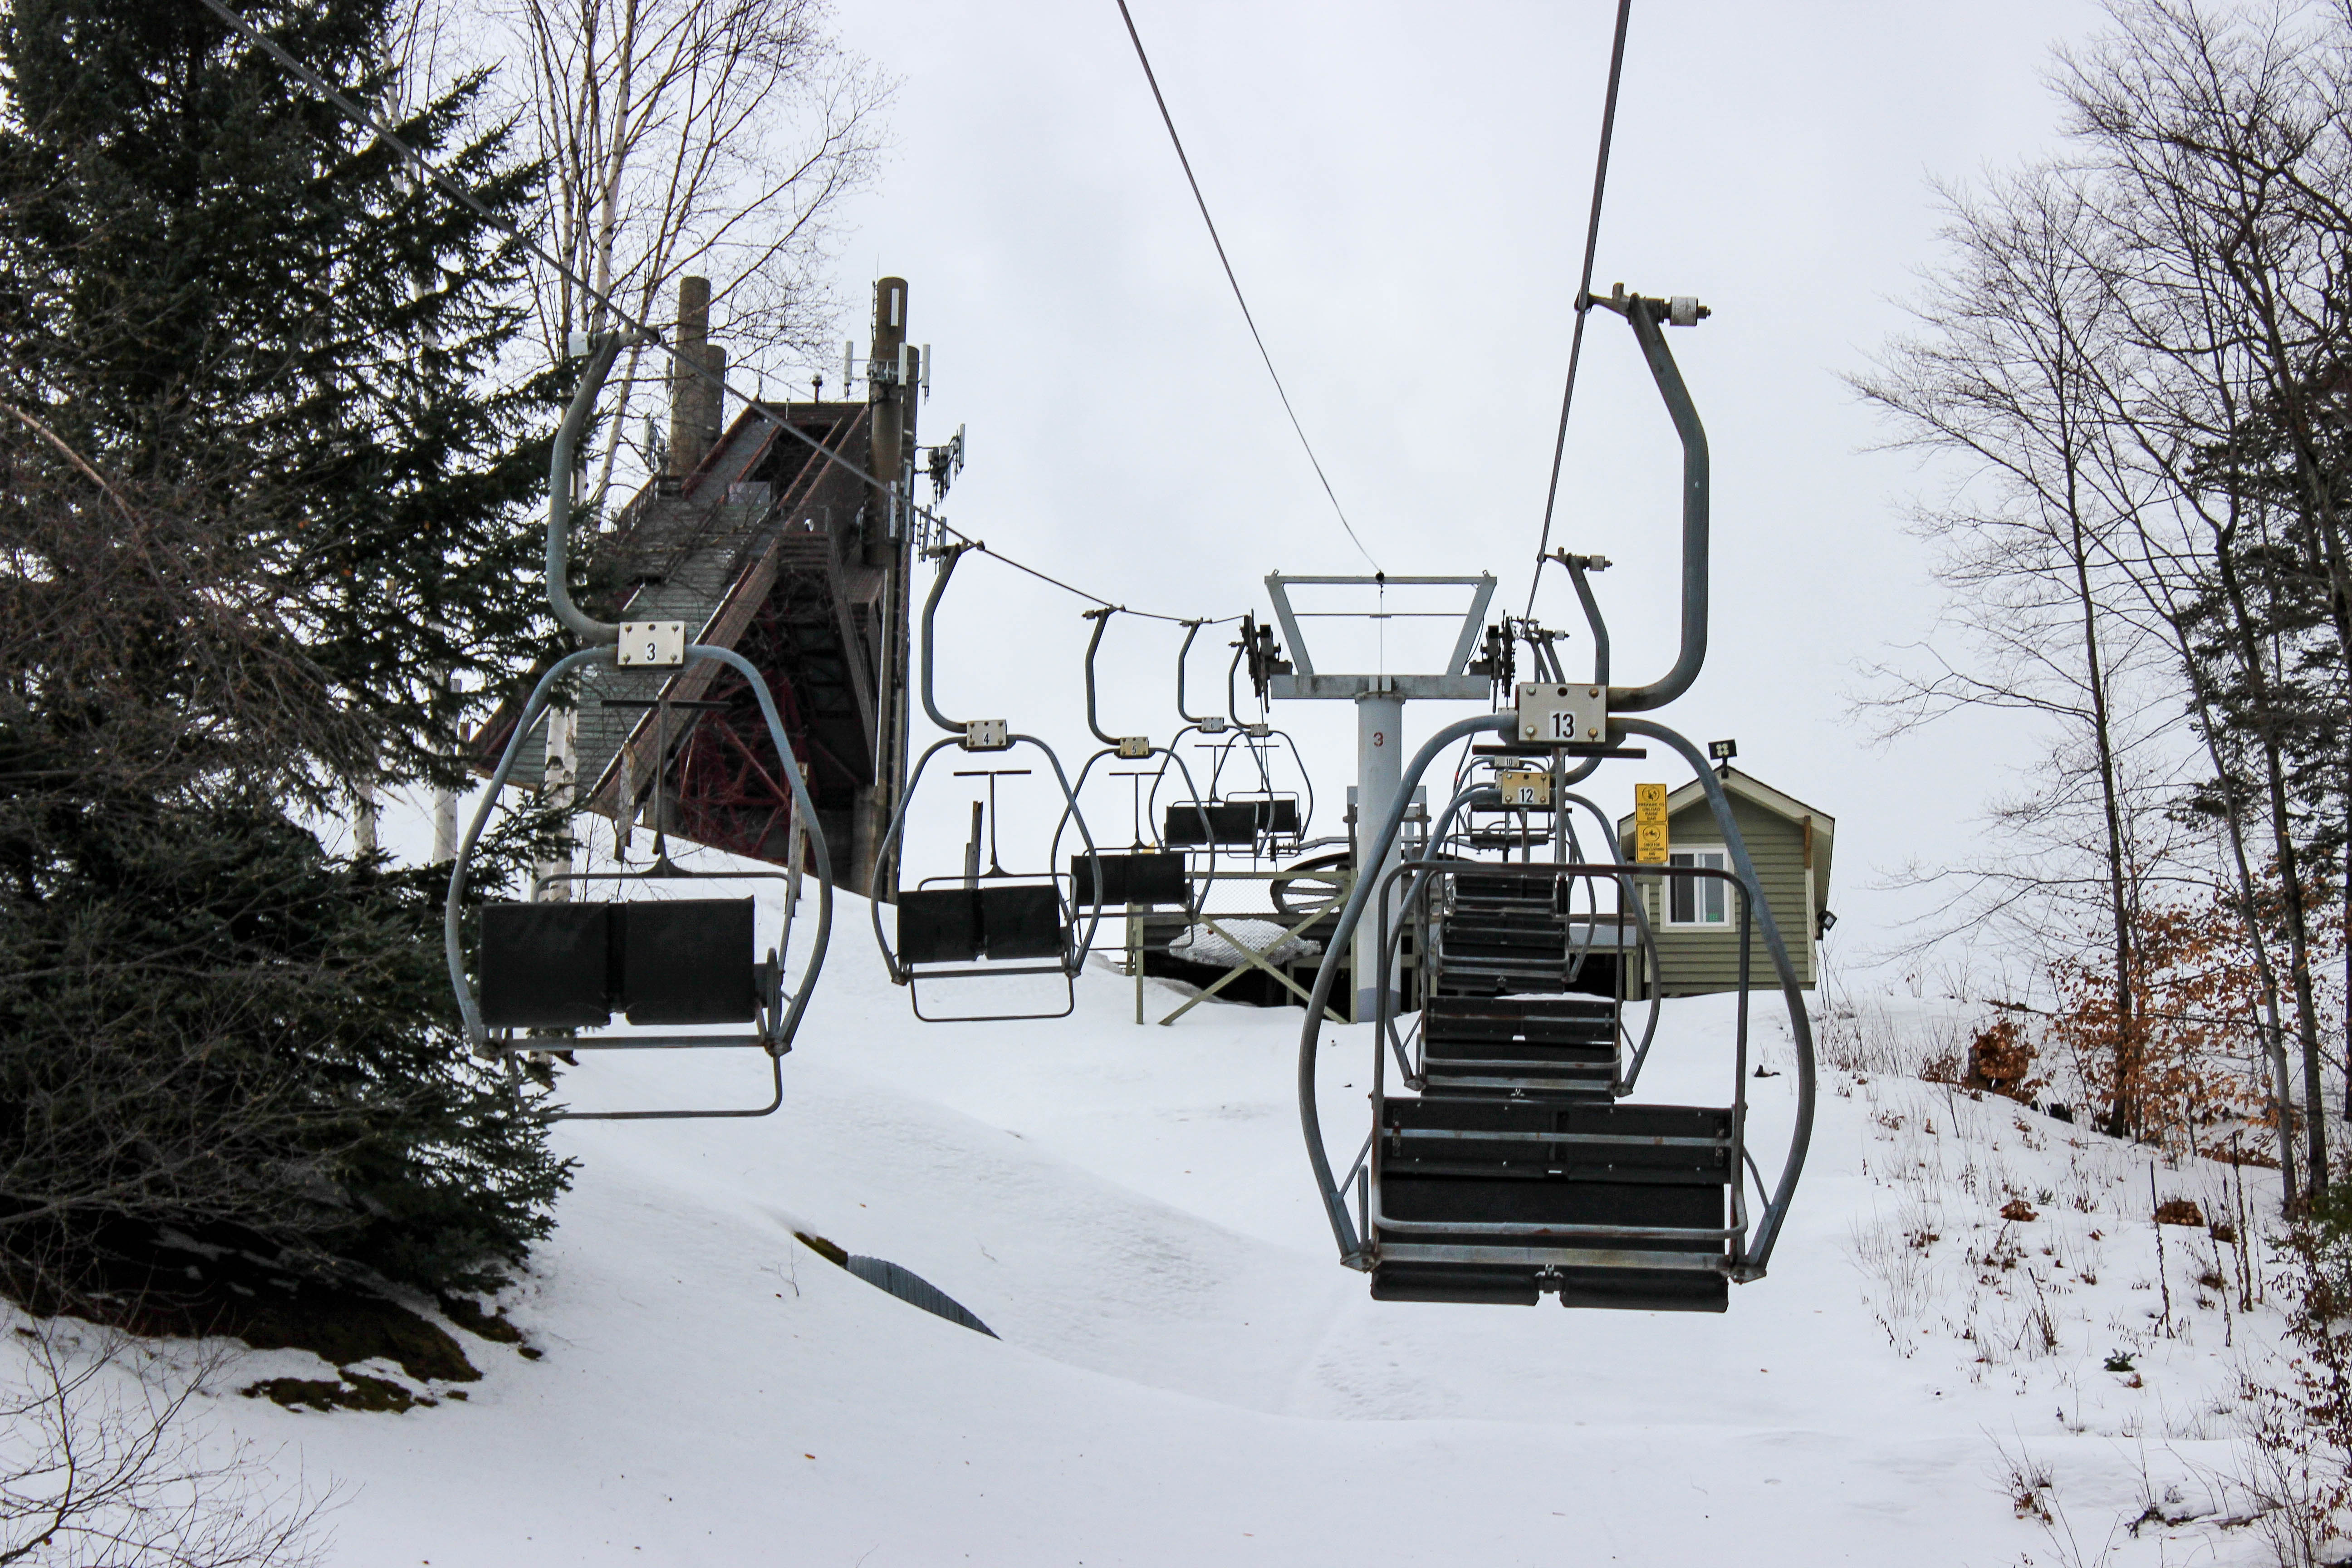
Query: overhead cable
(1225,261)
(691,366)
(1583,289)
(982,548)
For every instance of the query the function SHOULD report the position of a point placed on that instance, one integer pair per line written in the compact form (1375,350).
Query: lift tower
(1379,702)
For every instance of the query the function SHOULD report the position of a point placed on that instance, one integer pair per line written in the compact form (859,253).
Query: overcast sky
(1403,191)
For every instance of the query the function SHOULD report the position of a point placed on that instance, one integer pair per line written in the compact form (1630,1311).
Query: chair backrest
(939,925)
(546,966)
(687,961)
(1278,815)
(662,961)
(1146,879)
(1021,922)
(996,920)
(1229,822)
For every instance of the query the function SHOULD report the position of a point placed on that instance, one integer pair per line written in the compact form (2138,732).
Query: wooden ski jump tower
(762,545)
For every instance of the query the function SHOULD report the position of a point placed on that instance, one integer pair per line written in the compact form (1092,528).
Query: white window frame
(1700,888)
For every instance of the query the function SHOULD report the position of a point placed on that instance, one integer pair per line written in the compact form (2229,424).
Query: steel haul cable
(1203,203)
(1583,288)
(466,199)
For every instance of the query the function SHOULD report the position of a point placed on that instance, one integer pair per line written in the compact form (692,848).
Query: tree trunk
(2123,1115)
(2274,1039)
(2289,872)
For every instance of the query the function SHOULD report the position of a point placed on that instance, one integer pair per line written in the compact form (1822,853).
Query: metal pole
(888,403)
(1380,731)
(1135,955)
(1381,835)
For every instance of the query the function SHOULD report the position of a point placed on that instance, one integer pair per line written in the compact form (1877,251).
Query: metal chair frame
(886,860)
(783,1018)
(1074,947)
(1557,1245)
(1748,1245)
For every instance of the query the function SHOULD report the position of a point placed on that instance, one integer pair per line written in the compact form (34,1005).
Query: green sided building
(1696,919)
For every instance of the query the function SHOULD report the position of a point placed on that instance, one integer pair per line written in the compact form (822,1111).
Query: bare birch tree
(2216,140)
(721,138)
(2003,377)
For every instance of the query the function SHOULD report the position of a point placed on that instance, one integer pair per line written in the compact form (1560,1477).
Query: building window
(1697,900)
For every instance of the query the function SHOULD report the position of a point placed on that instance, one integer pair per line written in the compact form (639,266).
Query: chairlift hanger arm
(1101,619)
(1540,651)
(604,349)
(1645,315)
(1192,630)
(949,555)
(1579,569)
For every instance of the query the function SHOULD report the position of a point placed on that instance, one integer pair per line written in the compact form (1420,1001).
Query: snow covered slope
(1186,1375)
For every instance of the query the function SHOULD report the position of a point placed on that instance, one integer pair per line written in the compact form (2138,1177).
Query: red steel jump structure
(763,545)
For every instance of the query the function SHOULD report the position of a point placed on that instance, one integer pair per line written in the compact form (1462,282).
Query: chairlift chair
(1266,820)
(1519,1167)
(1505,1005)
(1279,819)
(969,926)
(1159,874)
(665,964)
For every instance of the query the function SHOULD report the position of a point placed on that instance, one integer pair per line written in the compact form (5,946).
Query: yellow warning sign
(1650,823)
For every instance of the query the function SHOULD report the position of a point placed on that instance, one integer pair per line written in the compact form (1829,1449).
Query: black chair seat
(1514,889)
(1464,1283)
(1689,1145)
(546,966)
(1561,1177)
(671,962)
(1021,921)
(1146,878)
(995,920)
(1277,814)
(1548,1021)
(1561,1203)
(1233,822)
(688,960)
(939,925)
(1624,1289)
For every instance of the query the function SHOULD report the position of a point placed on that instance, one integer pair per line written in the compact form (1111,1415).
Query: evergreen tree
(216,283)
(211,1026)
(259,501)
